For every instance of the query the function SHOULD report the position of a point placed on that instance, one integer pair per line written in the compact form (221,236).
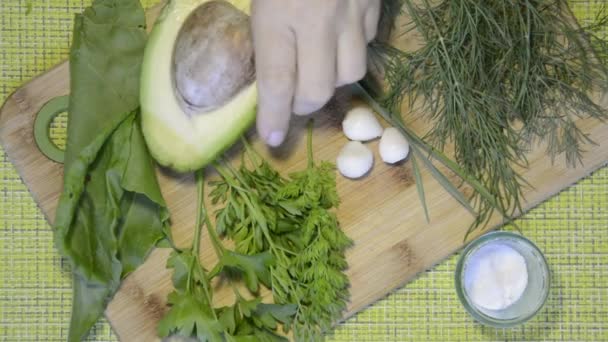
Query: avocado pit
(198,93)
(213,57)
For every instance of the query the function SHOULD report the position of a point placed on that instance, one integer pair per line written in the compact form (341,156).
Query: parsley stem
(199,175)
(200,209)
(215,240)
(311,162)
(218,247)
(206,284)
(251,153)
(227,175)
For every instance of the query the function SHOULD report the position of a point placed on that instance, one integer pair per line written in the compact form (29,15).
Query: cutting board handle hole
(50,128)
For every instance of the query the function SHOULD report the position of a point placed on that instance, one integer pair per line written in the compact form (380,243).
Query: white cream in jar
(495,276)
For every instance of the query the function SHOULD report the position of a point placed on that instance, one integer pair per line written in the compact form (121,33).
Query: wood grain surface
(381,212)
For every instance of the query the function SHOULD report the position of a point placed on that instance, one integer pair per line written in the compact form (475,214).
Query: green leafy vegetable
(291,219)
(320,288)
(191,316)
(494,77)
(287,239)
(111,212)
(192,313)
(255,267)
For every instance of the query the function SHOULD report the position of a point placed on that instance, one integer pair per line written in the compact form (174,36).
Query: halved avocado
(187,125)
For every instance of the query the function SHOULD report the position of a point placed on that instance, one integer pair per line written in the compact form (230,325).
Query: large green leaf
(111,212)
(105,63)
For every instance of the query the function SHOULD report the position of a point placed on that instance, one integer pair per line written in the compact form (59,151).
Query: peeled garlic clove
(393,146)
(355,160)
(360,124)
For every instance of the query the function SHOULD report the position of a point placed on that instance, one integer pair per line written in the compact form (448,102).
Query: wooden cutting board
(381,212)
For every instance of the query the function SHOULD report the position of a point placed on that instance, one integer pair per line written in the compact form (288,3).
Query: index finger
(275,61)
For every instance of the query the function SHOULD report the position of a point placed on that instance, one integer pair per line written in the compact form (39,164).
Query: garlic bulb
(393,146)
(360,124)
(355,160)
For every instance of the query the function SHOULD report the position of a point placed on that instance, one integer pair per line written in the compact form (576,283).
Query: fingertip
(272,138)
(272,128)
(275,138)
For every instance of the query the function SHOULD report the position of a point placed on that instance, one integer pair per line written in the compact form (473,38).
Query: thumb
(275,60)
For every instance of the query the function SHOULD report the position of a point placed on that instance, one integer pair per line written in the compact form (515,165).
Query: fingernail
(275,138)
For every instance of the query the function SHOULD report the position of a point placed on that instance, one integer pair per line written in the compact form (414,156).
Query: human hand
(304,50)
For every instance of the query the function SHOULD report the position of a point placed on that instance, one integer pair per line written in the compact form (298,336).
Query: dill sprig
(495,77)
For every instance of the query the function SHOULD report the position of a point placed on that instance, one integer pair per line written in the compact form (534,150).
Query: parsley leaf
(190,316)
(255,268)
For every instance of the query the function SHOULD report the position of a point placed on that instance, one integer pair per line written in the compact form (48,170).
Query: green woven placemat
(35,286)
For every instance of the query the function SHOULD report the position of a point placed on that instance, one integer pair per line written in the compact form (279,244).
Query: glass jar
(534,295)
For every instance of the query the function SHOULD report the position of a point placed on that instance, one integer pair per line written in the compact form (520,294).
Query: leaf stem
(196,244)
(310,126)
(200,205)
(215,239)
(251,153)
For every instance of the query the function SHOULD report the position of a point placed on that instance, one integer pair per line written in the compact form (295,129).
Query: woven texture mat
(35,287)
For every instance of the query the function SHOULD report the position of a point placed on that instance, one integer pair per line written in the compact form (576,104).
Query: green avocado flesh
(176,139)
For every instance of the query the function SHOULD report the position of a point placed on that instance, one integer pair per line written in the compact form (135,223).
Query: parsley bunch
(291,218)
(286,237)
(192,313)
